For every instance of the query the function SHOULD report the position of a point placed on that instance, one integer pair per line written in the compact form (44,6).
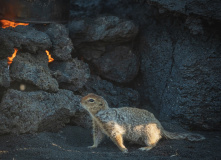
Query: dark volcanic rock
(156,61)
(181,75)
(82,118)
(72,74)
(90,51)
(115,96)
(106,29)
(25,112)
(120,64)
(33,69)
(205,8)
(194,87)
(6,48)
(61,43)
(23,37)
(85,8)
(4,74)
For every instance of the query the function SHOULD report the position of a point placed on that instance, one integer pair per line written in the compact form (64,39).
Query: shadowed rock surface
(7,49)
(119,64)
(106,29)
(25,112)
(115,96)
(181,74)
(23,37)
(61,43)
(81,118)
(4,74)
(205,8)
(90,51)
(33,69)
(71,75)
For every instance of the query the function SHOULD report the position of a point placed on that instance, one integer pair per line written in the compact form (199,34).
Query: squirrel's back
(129,115)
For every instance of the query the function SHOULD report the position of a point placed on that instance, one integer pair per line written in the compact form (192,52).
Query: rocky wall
(133,53)
(40,96)
(178,48)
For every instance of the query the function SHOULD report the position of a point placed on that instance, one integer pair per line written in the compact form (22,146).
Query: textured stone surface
(4,74)
(61,43)
(33,69)
(25,112)
(90,51)
(115,96)
(206,8)
(84,8)
(105,29)
(156,64)
(7,48)
(82,118)
(194,87)
(23,37)
(129,9)
(181,75)
(119,64)
(72,74)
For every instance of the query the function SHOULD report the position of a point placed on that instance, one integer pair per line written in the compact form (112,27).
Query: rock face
(115,96)
(205,8)
(82,118)
(23,37)
(33,69)
(174,62)
(4,74)
(156,62)
(7,48)
(61,43)
(179,72)
(181,76)
(71,75)
(85,8)
(120,64)
(99,41)
(104,29)
(25,112)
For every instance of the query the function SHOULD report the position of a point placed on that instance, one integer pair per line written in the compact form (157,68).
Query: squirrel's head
(94,103)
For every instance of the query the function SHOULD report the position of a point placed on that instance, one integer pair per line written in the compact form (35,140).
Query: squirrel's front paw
(125,150)
(91,147)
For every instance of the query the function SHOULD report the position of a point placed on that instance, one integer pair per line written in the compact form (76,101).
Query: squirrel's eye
(91,100)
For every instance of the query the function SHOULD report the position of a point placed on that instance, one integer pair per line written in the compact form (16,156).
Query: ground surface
(71,143)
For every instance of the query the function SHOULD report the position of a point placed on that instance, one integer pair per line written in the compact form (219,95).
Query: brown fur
(133,124)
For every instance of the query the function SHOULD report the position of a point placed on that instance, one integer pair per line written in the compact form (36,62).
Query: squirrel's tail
(188,136)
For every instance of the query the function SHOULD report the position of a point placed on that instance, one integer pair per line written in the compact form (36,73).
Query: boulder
(181,76)
(156,61)
(71,75)
(7,48)
(23,37)
(82,118)
(109,29)
(61,43)
(29,112)
(194,87)
(4,74)
(33,69)
(204,8)
(119,64)
(84,8)
(89,51)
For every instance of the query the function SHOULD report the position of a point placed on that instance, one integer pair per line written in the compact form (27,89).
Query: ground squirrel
(126,123)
